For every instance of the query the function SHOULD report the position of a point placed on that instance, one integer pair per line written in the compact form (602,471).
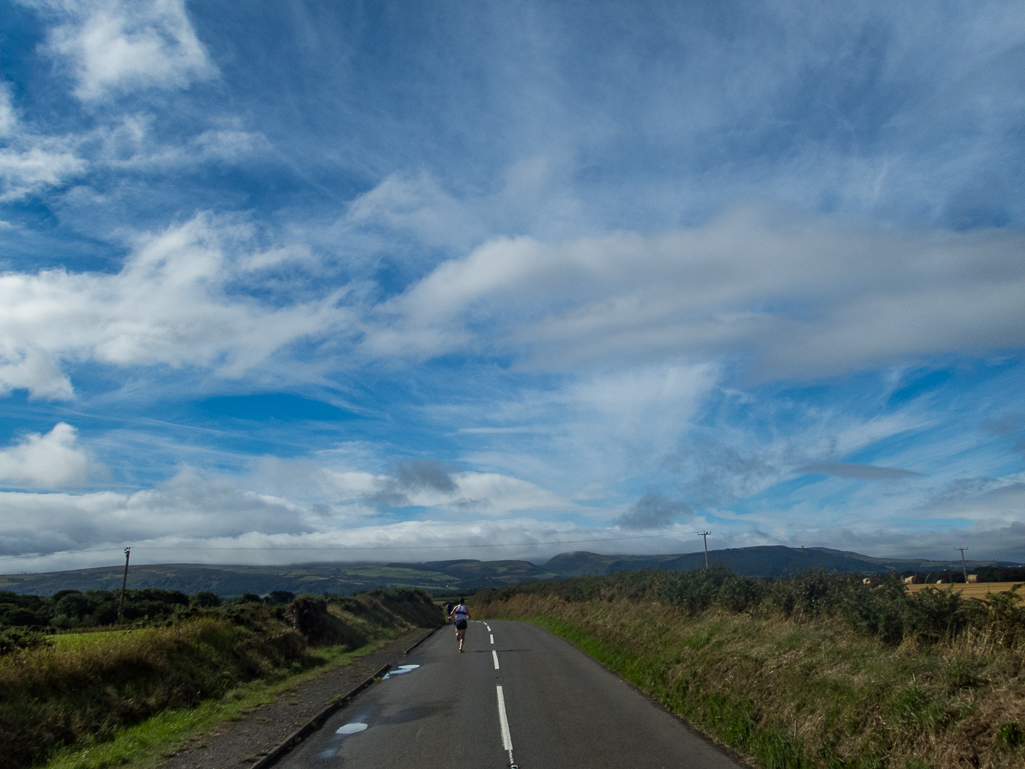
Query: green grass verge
(144,745)
(789,695)
(731,720)
(70,641)
(100,696)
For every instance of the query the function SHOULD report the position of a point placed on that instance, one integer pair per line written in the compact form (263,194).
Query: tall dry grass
(801,688)
(77,694)
(63,695)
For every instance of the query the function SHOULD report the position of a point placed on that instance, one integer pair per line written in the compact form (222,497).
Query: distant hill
(763,561)
(344,579)
(446,577)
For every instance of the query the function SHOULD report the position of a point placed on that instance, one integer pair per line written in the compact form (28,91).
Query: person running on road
(460,616)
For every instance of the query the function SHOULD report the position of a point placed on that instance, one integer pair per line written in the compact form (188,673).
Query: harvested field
(973,590)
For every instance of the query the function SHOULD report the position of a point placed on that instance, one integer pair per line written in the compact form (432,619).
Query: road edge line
(435,630)
(709,739)
(316,722)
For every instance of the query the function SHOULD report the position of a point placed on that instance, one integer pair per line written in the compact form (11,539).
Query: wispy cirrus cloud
(132,144)
(29,162)
(555,263)
(858,472)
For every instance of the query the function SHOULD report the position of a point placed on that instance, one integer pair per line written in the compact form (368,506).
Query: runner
(460,615)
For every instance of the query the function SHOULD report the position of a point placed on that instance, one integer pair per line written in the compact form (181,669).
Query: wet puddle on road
(351,728)
(355,727)
(399,671)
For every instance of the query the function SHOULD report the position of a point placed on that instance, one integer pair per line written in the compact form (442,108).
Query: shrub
(63,695)
(885,610)
(15,638)
(204,600)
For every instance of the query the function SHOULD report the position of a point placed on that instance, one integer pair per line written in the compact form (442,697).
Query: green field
(73,641)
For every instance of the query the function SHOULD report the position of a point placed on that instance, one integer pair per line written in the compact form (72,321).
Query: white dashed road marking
(506,737)
(494,655)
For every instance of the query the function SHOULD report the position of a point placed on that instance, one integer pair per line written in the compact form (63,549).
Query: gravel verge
(232,744)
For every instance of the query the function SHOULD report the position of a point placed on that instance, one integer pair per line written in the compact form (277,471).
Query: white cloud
(796,296)
(117,46)
(26,367)
(300,505)
(187,505)
(494,495)
(197,518)
(8,118)
(420,483)
(30,163)
(170,304)
(49,461)
(200,518)
(643,409)
(417,205)
(587,435)
(31,169)
(132,145)
(979,499)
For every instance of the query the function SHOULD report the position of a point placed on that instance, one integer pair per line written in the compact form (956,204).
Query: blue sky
(290,281)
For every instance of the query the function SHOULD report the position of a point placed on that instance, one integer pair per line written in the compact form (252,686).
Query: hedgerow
(882,608)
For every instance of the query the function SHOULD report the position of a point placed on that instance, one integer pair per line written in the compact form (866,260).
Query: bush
(885,610)
(15,638)
(204,600)
(63,695)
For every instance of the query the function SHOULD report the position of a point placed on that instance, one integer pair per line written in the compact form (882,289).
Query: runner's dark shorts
(461,624)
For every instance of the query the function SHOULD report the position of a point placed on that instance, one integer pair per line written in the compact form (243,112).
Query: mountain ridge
(452,576)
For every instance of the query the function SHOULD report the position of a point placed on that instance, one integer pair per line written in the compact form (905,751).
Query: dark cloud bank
(654,511)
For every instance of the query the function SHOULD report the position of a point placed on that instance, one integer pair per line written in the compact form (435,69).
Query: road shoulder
(243,742)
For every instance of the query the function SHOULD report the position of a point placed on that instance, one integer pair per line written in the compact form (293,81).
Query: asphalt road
(517,696)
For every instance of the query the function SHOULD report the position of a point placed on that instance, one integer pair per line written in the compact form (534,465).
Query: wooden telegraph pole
(964,567)
(704,536)
(124,584)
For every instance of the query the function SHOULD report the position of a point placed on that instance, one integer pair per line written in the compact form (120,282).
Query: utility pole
(964,567)
(124,584)
(704,536)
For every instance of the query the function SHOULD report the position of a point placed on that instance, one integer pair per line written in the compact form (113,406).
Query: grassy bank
(803,688)
(144,745)
(84,694)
